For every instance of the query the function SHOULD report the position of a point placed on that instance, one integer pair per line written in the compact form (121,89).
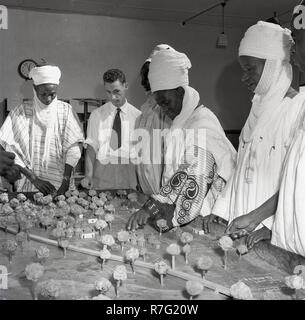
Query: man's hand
(6,161)
(242,225)
(86,182)
(44,186)
(138,219)
(207,221)
(64,187)
(12,174)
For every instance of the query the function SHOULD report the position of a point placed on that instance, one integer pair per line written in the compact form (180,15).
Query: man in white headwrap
(198,157)
(287,206)
(153,121)
(45,136)
(264,55)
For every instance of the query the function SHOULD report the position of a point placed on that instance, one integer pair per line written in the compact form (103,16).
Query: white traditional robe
(260,162)
(288,231)
(43,142)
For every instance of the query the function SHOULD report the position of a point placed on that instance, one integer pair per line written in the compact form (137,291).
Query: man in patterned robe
(198,157)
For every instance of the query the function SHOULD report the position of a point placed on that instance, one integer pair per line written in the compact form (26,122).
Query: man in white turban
(198,157)
(45,135)
(151,147)
(287,205)
(264,56)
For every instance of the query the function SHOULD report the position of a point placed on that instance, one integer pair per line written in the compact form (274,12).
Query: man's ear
(126,85)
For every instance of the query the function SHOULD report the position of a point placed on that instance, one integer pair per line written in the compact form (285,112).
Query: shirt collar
(123,107)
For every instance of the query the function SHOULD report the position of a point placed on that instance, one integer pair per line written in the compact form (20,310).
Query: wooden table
(77,273)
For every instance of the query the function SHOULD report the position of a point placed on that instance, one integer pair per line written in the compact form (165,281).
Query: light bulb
(222,41)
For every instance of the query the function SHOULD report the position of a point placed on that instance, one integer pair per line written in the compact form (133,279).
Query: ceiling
(238,13)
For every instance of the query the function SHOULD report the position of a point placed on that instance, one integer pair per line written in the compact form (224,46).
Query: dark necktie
(115,141)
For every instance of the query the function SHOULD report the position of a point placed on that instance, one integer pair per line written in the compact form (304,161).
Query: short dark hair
(113,75)
(144,76)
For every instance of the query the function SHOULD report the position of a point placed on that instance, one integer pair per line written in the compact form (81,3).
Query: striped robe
(16,135)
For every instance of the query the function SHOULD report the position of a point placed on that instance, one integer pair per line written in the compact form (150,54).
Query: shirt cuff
(73,156)
(162,199)
(268,223)
(91,143)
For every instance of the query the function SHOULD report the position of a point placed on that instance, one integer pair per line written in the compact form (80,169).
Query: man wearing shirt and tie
(108,160)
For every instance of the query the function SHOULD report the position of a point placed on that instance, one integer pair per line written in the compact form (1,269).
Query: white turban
(158,48)
(168,70)
(45,74)
(266,40)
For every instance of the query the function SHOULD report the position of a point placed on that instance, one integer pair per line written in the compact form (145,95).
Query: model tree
(104,255)
(241,291)
(161,268)
(21,239)
(123,237)
(42,253)
(161,224)
(64,244)
(226,244)
(50,289)
(34,272)
(204,264)
(119,275)
(132,255)
(10,246)
(100,225)
(193,288)
(173,250)
(109,217)
(107,240)
(103,285)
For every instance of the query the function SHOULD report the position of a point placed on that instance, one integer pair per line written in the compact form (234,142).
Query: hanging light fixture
(222,40)
(274,19)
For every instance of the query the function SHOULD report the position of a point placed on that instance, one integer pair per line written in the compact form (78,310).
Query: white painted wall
(85,46)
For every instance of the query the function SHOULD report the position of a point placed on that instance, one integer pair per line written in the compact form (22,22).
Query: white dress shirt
(100,129)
